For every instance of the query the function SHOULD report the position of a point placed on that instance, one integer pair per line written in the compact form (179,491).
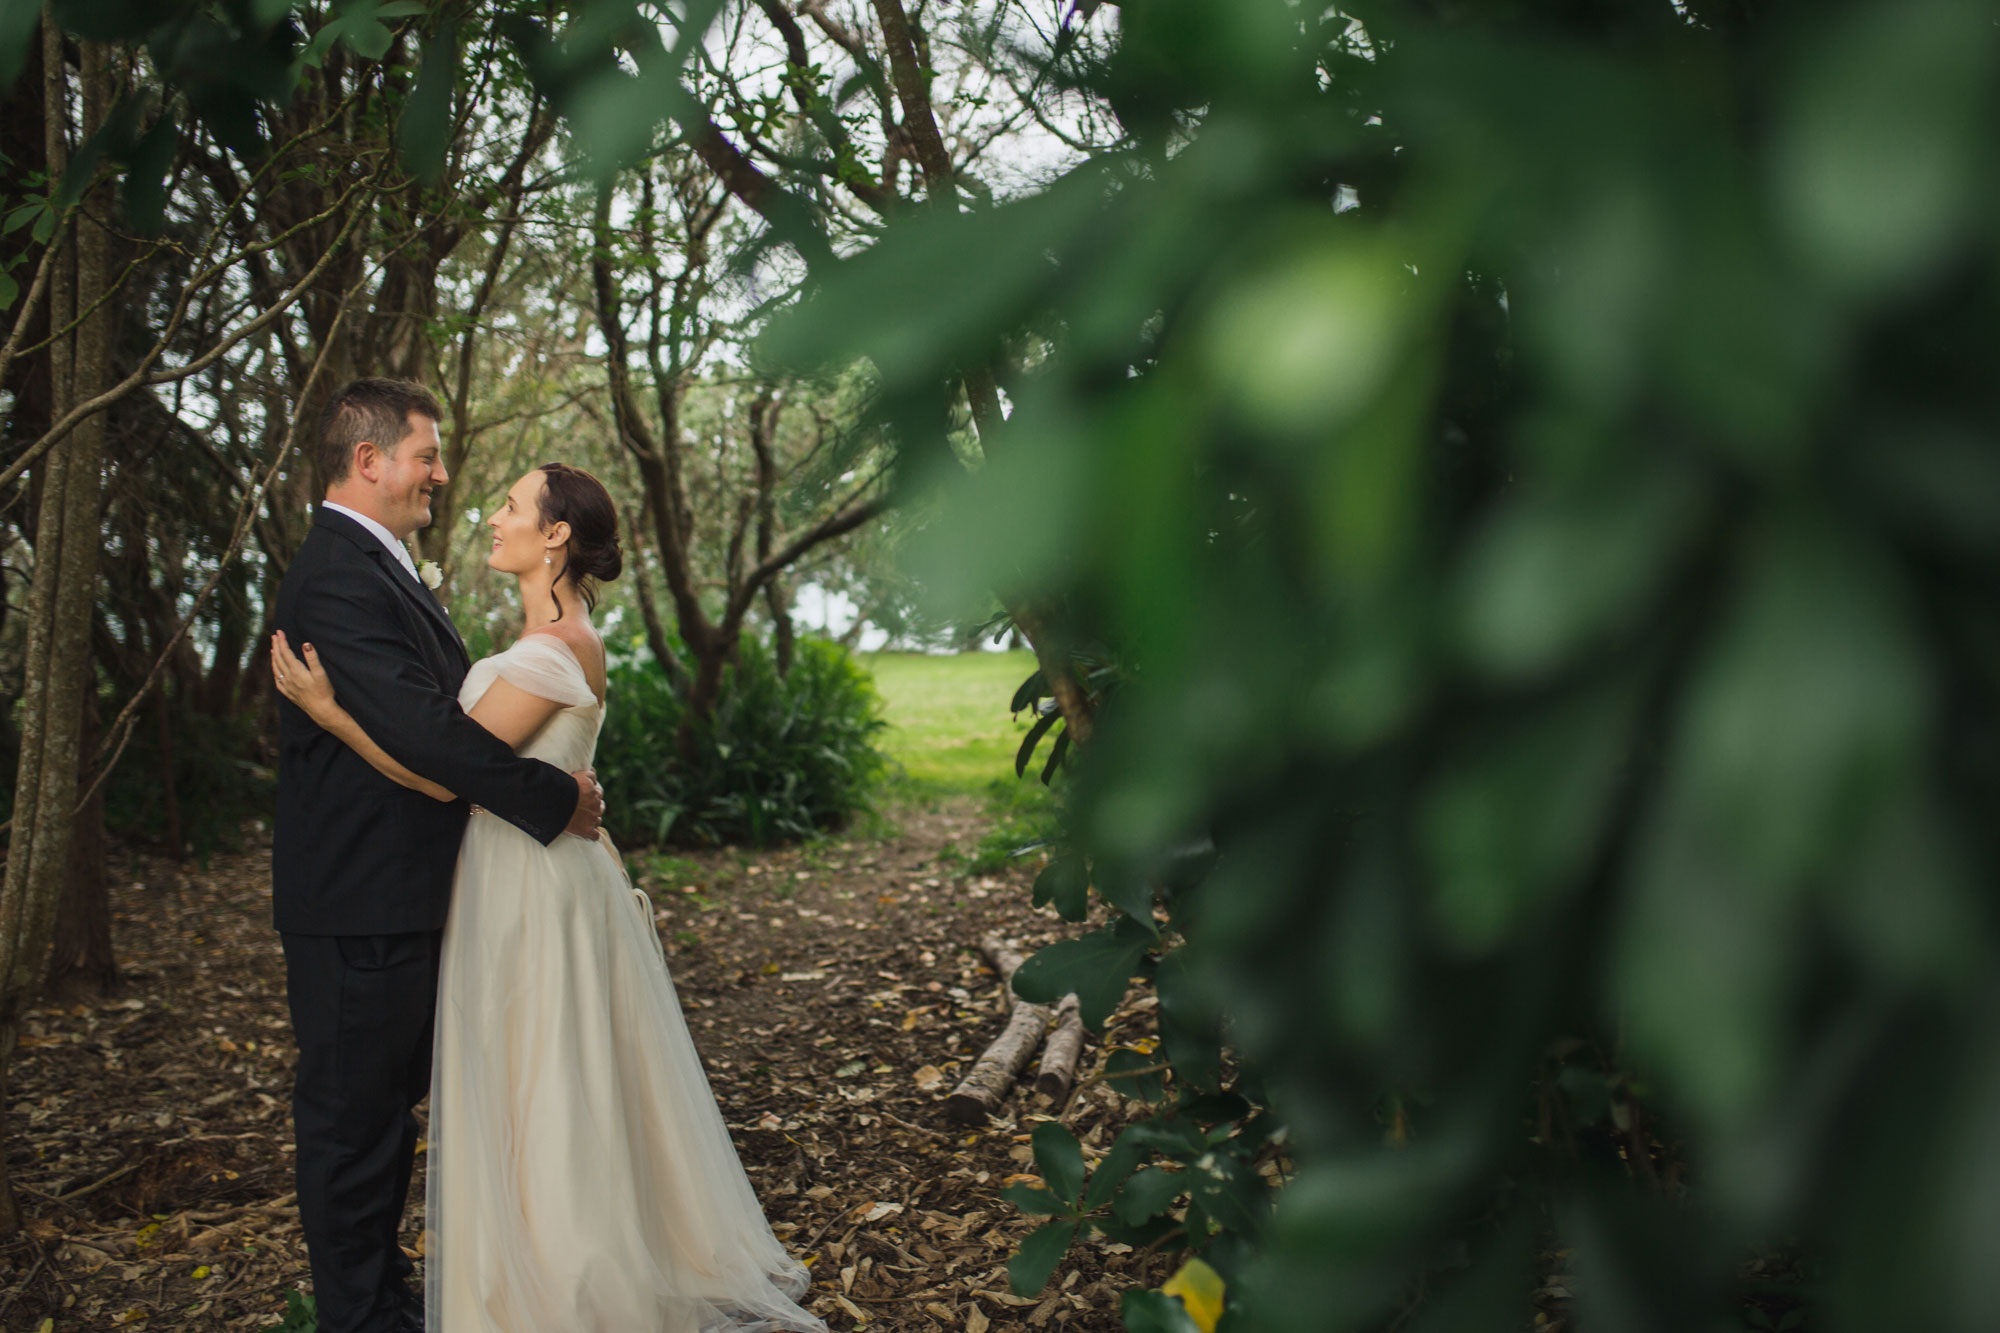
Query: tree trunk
(784,640)
(58,659)
(649,611)
(82,964)
(712,654)
(176,836)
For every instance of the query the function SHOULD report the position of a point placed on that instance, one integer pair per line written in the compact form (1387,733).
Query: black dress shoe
(409,1308)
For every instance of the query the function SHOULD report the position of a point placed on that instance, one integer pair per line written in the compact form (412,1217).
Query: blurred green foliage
(783,757)
(1538,462)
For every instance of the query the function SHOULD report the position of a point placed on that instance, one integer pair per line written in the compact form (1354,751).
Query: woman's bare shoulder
(584,645)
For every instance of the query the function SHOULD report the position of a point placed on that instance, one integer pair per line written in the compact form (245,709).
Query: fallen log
(982,1090)
(1060,1056)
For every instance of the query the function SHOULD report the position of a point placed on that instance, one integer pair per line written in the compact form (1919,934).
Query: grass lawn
(948,723)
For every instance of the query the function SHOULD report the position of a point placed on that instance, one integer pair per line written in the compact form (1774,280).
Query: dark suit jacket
(355,854)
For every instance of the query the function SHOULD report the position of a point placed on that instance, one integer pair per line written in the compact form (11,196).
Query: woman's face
(519,543)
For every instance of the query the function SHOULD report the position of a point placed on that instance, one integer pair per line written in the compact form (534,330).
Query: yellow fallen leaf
(1199,1289)
(202,1272)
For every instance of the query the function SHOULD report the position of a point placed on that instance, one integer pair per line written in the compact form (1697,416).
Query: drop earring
(547,561)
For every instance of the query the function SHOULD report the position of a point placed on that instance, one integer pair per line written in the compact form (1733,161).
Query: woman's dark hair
(571,495)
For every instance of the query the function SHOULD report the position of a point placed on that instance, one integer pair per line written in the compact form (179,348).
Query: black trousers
(363,1010)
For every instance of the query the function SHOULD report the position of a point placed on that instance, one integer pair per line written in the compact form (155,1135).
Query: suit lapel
(422,596)
(393,569)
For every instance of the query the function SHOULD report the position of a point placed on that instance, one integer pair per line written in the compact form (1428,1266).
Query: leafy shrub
(783,756)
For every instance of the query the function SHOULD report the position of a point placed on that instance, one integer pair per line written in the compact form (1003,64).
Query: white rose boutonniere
(429,572)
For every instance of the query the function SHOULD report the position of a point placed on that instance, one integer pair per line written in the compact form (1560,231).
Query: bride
(581,1177)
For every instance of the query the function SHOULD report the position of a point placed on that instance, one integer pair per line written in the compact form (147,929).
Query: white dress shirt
(387,538)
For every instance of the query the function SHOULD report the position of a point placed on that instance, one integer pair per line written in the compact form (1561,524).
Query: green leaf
(425,128)
(1065,884)
(146,176)
(1552,572)
(1056,753)
(24,214)
(18,26)
(1149,1086)
(1190,1029)
(301,1314)
(1148,1194)
(1033,688)
(9,289)
(1175,1136)
(45,226)
(1229,1192)
(368,39)
(1128,888)
(1514,819)
(879,303)
(1097,968)
(1034,738)
(1114,1170)
(1028,1271)
(1059,1157)
(1154,1312)
(314,54)
(1033,1199)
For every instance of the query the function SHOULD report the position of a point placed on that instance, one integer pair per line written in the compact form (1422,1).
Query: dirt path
(828,987)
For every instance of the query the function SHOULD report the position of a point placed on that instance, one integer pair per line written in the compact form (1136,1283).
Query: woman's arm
(305,684)
(371,647)
(512,713)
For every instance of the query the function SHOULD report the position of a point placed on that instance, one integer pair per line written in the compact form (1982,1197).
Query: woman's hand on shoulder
(303,680)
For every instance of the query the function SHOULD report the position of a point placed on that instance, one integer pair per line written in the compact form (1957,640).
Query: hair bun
(603,562)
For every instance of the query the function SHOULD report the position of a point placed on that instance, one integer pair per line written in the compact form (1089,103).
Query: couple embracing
(454,925)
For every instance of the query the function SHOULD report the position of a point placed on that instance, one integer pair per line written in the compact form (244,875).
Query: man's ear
(369,459)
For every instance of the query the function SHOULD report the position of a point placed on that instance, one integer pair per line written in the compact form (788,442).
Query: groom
(361,868)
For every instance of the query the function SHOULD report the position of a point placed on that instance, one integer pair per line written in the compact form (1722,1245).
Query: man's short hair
(377,410)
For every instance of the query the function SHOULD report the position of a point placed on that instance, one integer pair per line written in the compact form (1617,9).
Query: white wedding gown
(581,1177)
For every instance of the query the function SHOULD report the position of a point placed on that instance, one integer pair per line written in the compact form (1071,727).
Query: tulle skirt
(580,1178)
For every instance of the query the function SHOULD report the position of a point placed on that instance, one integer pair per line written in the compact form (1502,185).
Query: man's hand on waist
(589,805)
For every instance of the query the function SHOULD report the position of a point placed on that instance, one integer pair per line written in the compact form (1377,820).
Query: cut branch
(1060,1056)
(980,1093)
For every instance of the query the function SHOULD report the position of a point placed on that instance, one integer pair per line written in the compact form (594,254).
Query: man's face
(409,475)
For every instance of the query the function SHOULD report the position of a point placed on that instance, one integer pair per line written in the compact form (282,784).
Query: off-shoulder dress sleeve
(545,667)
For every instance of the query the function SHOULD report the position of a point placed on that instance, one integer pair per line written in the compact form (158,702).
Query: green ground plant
(783,758)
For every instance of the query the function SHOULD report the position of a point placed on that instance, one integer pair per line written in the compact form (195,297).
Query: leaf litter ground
(836,993)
